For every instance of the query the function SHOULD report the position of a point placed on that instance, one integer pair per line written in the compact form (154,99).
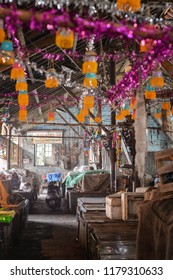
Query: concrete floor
(48,236)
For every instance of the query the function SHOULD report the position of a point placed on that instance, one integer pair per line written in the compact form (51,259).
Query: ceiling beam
(168,66)
(66,123)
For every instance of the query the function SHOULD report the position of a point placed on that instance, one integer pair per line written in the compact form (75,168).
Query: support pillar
(99,113)
(113,184)
(8,146)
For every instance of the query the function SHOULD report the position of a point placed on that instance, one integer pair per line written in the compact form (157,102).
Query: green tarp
(80,175)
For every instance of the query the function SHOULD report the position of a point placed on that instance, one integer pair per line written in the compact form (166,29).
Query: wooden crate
(74,195)
(115,240)
(164,164)
(83,220)
(113,206)
(129,205)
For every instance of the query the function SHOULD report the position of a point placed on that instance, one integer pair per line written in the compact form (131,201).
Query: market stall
(14,215)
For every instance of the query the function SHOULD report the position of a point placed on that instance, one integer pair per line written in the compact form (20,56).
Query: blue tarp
(54,177)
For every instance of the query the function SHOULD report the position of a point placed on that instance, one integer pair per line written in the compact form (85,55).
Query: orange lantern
(90,80)
(51,82)
(23,99)
(2,32)
(88,101)
(22,114)
(150,92)
(98,119)
(17,72)
(90,65)
(129,5)
(157,115)
(21,84)
(119,117)
(80,118)
(146,45)
(51,78)
(84,111)
(7,56)
(157,79)
(64,38)
(166,105)
(125,112)
(51,116)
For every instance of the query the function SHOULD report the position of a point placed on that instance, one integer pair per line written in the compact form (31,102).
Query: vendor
(15,181)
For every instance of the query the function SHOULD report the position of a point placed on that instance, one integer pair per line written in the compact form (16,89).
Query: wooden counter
(6,230)
(20,218)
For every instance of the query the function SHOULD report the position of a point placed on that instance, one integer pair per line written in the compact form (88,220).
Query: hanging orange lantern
(157,79)
(166,105)
(129,5)
(125,112)
(23,99)
(89,68)
(7,56)
(157,115)
(90,80)
(90,65)
(84,111)
(2,32)
(51,78)
(17,71)
(64,38)
(150,92)
(51,82)
(146,45)
(21,84)
(80,118)
(98,119)
(88,101)
(119,117)
(22,114)
(51,116)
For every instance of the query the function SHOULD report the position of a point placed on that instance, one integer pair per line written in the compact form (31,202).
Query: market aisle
(48,236)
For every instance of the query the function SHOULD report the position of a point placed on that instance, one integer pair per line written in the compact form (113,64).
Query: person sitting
(15,181)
